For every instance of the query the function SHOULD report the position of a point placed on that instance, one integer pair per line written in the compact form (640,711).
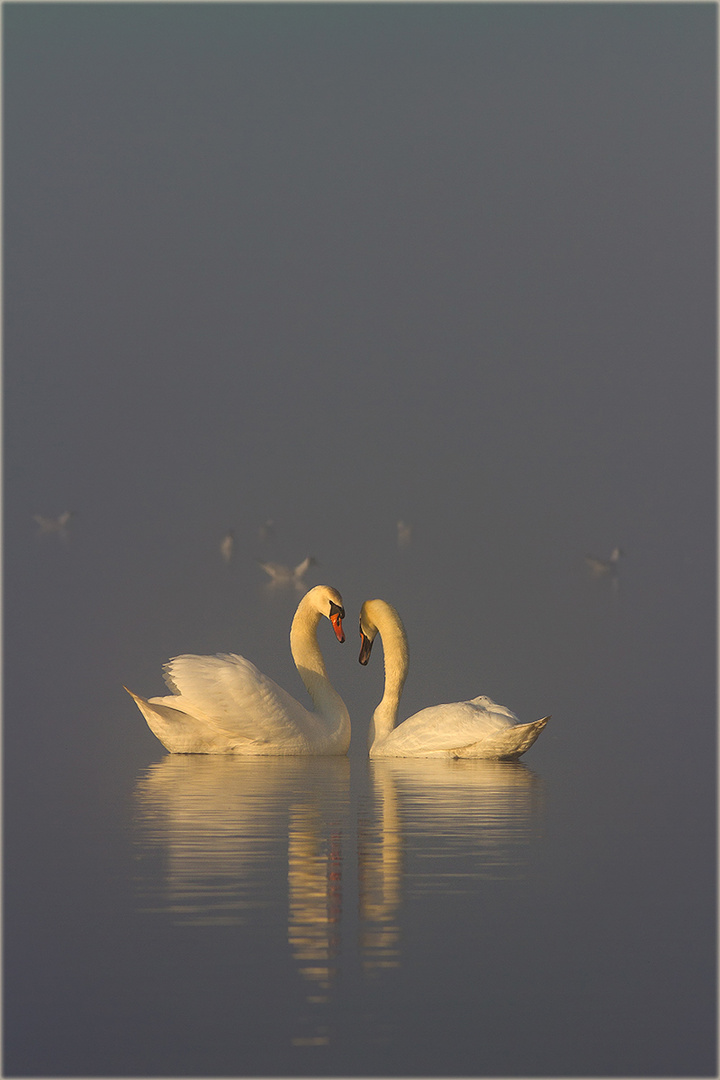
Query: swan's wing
(500,712)
(448,727)
(229,691)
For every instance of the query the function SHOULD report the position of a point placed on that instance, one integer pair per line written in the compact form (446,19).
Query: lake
(200,915)
(428,293)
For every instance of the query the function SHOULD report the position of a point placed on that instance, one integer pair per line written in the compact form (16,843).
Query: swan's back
(442,728)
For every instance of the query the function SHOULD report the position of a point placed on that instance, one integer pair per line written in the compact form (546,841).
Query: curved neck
(311,666)
(397,661)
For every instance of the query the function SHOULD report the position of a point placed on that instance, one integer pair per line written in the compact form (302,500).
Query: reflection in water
(379,875)
(220,839)
(314,909)
(230,832)
(439,825)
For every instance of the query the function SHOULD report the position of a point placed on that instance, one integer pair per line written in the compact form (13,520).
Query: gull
(604,566)
(285,575)
(266,530)
(404,534)
(226,547)
(54,525)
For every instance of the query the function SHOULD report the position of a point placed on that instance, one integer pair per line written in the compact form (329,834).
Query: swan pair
(224,705)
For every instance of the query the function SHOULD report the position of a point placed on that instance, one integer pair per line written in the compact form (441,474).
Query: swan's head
(368,630)
(379,617)
(329,602)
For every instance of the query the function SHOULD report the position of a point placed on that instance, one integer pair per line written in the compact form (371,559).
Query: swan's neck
(311,667)
(396,657)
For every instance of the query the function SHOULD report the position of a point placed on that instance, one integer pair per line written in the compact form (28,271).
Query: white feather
(224,705)
(478,728)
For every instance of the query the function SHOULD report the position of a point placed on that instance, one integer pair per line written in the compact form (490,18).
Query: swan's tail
(159,717)
(506,745)
(179,732)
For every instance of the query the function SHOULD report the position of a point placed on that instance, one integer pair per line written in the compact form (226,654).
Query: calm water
(173,915)
(341,265)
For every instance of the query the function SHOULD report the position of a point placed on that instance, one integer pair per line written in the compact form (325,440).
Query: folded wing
(449,727)
(231,693)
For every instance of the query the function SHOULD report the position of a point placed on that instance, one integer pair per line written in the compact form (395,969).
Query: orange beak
(337,626)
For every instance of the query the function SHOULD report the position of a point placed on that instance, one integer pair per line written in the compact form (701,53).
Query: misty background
(340,266)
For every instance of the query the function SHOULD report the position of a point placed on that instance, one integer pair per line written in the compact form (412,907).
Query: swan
(223,705)
(465,729)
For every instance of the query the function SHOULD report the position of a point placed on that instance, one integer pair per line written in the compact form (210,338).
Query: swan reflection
(241,837)
(380,874)
(314,912)
(238,838)
(270,842)
(438,826)
(314,896)
(231,831)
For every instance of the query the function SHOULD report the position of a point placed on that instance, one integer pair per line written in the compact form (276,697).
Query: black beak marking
(365,649)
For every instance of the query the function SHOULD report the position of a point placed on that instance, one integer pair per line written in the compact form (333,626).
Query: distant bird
(266,530)
(285,575)
(226,547)
(604,566)
(54,525)
(404,534)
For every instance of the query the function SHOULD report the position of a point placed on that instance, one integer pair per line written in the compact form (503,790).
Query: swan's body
(465,729)
(223,705)
(288,575)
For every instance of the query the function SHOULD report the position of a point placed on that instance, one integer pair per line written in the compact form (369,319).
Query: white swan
(465,729)
(223,705)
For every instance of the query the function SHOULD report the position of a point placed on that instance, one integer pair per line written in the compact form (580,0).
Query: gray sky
(340,264)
